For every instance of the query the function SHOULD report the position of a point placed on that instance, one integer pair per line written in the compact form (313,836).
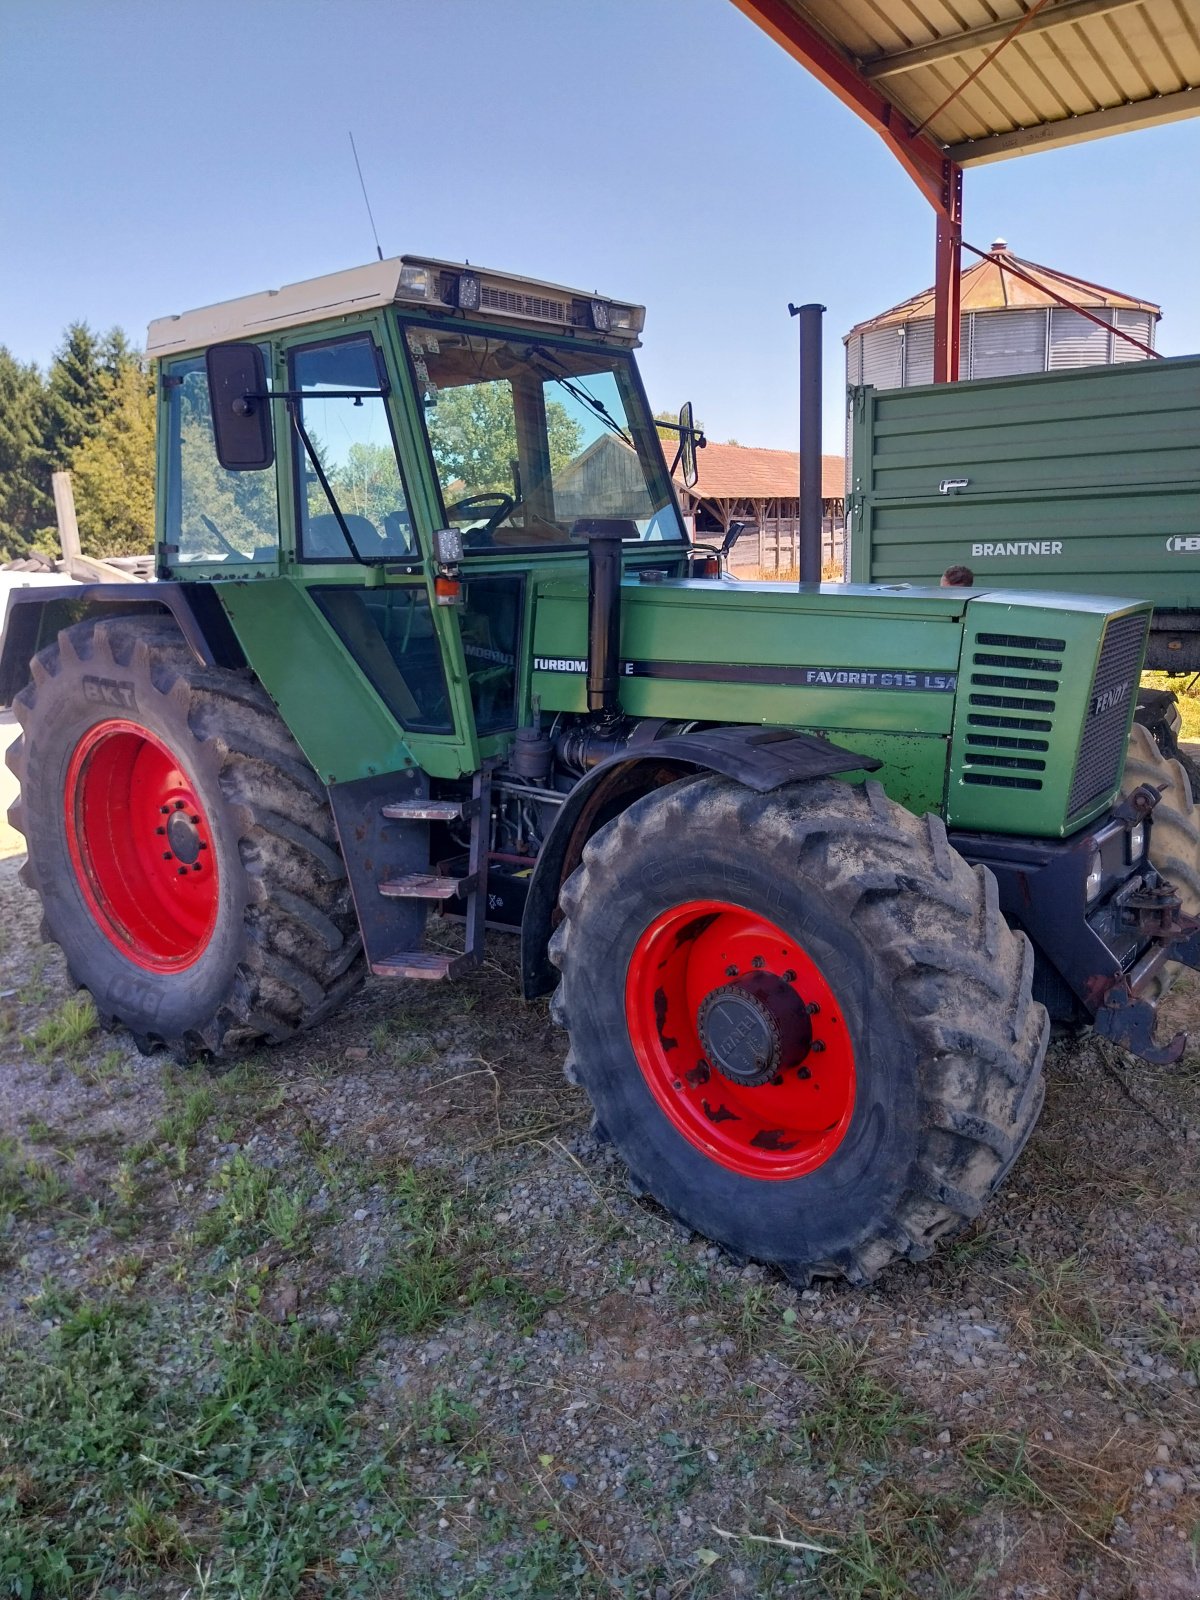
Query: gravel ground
(587,1400)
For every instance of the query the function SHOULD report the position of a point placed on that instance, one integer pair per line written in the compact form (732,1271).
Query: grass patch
(858,1413)
(63,1034)
(27,1186)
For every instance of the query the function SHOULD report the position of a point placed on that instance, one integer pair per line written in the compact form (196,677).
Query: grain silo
(1013,320)
(1010,323)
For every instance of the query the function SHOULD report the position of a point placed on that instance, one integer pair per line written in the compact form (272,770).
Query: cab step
(426,810)
(421,964)
(426,886)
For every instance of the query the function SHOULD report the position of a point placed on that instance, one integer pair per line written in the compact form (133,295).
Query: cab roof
(415,281)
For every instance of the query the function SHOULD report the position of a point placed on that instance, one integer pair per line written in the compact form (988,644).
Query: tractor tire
(1175,826)
(801,1019)
(183,848)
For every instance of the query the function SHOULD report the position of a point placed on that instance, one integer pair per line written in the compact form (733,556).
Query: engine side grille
(999,752)
(1102,750)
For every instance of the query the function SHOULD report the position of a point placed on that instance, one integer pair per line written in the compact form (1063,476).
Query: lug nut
(813,1009)
(193,819)
(817,1046)
(166,810)
(731,972)
(160,830)
(203,846)
(803,1072)
(789,976)
(166,855)
(759,961)
(179,805)
(183,872)
(195,866)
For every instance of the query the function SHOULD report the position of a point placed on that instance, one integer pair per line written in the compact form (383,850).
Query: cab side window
(211,514)
(352,438)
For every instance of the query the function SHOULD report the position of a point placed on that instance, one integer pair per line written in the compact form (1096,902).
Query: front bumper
(1106,952)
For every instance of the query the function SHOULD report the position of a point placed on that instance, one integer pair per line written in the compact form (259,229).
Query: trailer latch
(952,485)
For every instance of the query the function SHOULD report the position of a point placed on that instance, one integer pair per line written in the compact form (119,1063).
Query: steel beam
(945,49)
(1072,130)
(947,283)
(921,156)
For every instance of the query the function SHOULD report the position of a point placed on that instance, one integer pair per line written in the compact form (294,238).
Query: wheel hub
(141,846)
(183,837)
(754,1028)
(741,1039)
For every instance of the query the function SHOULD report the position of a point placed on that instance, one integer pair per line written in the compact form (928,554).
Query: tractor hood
(1015,685)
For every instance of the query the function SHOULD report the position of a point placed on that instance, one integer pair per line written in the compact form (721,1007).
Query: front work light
(1095,877)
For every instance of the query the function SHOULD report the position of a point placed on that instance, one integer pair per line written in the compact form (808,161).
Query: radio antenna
(366,201)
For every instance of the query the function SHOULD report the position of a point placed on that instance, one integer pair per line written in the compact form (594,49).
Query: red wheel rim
(141,846)
(741,1040)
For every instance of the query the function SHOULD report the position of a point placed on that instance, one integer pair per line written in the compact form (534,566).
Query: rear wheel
(183,849)
(801,1019)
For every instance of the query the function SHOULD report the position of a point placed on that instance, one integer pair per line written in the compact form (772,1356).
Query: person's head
(957,578)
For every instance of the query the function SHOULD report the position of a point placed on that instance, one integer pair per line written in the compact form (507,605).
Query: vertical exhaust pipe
(604,617)
(810,441)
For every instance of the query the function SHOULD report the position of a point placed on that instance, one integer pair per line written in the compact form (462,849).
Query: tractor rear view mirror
(687,445)
(241,411)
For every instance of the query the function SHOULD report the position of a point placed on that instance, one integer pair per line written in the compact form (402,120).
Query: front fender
(762,758)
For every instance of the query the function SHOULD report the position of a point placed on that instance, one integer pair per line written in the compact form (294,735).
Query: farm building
(736,484)
(740,483)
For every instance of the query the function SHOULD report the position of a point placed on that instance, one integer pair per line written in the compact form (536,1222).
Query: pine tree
(112,469)
(75,395)
(25,504)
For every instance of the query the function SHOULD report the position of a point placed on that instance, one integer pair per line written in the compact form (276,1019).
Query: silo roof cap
(988,286)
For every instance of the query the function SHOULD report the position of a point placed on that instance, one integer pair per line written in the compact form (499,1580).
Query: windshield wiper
(294,412)
(575,389)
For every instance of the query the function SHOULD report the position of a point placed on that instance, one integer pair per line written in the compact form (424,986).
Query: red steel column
(947,291)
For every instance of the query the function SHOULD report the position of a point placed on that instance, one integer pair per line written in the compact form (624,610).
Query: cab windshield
(535,442)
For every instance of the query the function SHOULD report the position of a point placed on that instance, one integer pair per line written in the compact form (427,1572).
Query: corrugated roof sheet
(743,472)
(1078,69)
(988,287)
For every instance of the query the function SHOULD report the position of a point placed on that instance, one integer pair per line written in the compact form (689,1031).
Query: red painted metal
(922,157)
(947,283)
(141,846)
(776,1130)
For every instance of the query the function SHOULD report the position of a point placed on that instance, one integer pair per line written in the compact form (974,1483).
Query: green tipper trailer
(1083,481)
(807,872)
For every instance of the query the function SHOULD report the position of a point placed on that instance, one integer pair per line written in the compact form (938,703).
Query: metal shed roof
(985,79)
(990,286)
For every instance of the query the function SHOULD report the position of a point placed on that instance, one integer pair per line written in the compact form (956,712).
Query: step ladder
(434,888)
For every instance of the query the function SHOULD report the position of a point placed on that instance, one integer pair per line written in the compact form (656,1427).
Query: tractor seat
(323,537)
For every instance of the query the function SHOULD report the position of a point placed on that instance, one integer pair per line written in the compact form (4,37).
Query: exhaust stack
(810,441)
(604,616)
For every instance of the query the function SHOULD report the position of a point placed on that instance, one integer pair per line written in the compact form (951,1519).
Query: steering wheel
(495,507)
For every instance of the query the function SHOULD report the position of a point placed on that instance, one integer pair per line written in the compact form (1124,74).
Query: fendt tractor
(809,870)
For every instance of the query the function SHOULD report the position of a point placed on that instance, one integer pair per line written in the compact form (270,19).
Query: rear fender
(36,616)
(761,758)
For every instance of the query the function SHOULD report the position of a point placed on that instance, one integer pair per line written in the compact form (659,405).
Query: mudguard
(762,758)
(36,615)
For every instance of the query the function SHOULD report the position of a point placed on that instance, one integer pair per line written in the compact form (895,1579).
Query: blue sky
(162,155)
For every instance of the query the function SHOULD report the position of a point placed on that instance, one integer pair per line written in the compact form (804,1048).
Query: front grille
(1010,709)
(1102,750)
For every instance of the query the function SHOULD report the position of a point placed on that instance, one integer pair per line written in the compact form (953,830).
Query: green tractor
(808,870)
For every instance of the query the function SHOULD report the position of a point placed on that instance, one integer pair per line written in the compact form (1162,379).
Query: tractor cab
(412,442)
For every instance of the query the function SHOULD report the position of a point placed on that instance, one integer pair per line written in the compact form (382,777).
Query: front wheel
(183,848)
(801,1019)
